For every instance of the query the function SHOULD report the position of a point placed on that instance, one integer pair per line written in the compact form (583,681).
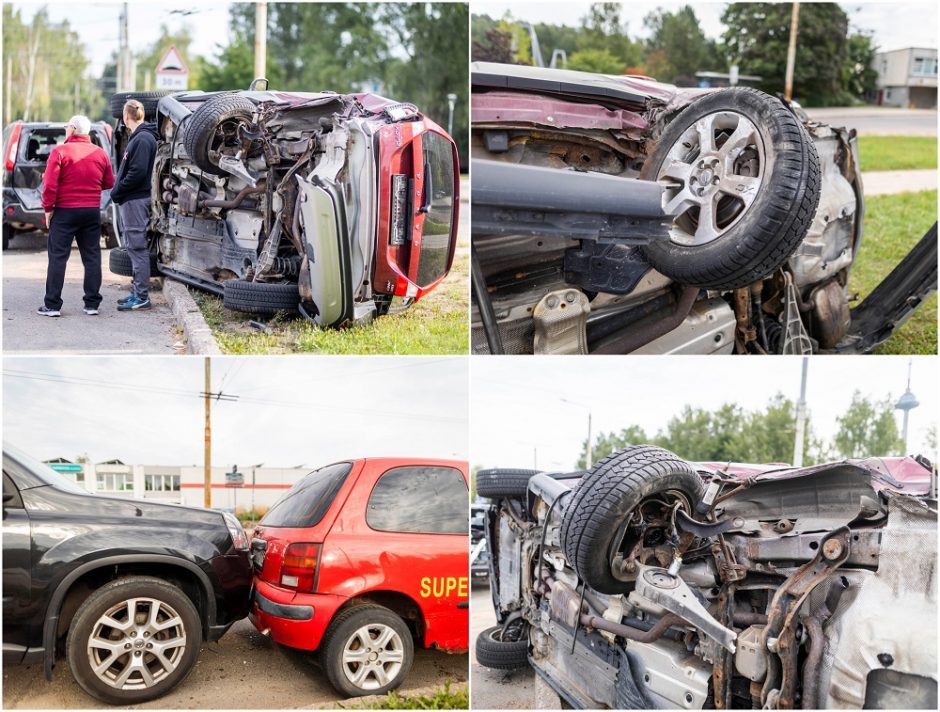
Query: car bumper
(297,620)
(22,219)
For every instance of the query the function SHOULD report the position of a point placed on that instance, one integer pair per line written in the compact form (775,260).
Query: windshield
(41,471)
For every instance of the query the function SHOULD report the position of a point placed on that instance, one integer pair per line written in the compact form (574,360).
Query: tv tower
(907,402)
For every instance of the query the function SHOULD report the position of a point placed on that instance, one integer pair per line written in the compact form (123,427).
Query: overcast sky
(292,410)
(517,407)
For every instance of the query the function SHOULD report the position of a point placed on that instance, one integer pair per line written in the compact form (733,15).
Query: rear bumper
(297,620)
(19,217)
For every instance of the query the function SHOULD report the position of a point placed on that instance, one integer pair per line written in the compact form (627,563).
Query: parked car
(362,560)
(617,214)
(26,148)
(330,204)
(480,556)
(126,590)
(651,582)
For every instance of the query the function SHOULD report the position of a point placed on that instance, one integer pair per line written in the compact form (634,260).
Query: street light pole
(791,51)
(800,419)
(261,38)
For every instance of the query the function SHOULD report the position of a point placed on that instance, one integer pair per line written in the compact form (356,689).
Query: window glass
(439,198)
(115,482)
(428,500)
(10,490)
(307,501)
(162,483)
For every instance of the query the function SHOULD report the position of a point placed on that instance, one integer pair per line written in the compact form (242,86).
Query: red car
(362,558)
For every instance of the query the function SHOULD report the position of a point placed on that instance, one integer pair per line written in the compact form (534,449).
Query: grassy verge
(441,699)
(893,224)
(897,153)
(435,325)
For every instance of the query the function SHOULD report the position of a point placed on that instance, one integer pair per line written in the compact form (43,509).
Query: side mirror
(259,84)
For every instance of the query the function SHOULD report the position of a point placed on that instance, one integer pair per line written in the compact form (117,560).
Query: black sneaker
(46,311)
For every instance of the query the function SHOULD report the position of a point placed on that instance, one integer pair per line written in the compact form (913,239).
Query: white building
(261,486)
(907,78)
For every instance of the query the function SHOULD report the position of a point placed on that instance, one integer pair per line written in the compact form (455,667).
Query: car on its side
(126,590)
(323,203)
(617,214)
(362,560)
(26,148)
(651,582)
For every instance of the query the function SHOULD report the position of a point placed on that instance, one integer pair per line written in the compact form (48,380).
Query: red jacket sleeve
(50,180)
(107,177)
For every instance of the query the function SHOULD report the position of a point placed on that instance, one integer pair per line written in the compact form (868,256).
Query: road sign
(172,72)
(234,479)
(64,467)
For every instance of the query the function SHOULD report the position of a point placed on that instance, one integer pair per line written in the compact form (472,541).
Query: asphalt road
(494,689)
(880,121)
(24,331)
(244,670)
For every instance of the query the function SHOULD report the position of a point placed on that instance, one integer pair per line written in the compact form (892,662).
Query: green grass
(897,153)
(893,224)
(435,325)
(442,699)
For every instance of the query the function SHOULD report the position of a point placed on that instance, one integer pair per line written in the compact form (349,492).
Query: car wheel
(213,125)
(498,483)
(133,640)
(503,652)
(149,99)
(618,510)
(742,185)
(7,235)
(259,297)
(119,262)
(367,650)
(108,238)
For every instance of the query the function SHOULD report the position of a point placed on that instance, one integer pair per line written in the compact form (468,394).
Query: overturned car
(616,214)
(330,204)
(651,582)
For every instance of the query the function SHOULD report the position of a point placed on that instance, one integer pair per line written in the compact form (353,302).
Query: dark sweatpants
(84,225)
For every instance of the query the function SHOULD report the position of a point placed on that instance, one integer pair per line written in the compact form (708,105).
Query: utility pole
(8,109)
(207,472)
(800,419)
(791,51)
(261,38)
(590,447)
(125,63)
(32,52)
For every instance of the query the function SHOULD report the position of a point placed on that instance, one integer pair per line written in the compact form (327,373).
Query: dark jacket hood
(149,127)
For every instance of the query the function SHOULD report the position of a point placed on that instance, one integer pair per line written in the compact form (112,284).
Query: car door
(16,573)
(419,514)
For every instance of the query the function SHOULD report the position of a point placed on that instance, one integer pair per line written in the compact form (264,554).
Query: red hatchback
(362,558)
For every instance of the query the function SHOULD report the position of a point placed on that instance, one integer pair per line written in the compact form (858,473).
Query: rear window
(435,237)
(307,501)
(422,500)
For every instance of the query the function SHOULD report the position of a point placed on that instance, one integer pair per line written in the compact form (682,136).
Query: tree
(602,29)
(868,429)
(858,75)
(596,60)
(677,47)
(757,36)
(606,443)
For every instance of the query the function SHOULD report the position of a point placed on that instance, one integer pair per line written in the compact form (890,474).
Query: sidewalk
(890,182)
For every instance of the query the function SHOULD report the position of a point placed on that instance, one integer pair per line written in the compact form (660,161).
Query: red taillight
(299,567)
(14,144)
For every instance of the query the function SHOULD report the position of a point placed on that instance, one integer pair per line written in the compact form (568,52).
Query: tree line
(411,52)
(833,62)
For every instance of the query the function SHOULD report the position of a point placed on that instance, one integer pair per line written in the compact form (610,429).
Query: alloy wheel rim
(712,176)
(136,644)
(373,656)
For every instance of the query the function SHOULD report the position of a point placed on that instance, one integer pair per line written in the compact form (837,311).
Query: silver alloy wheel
(712,175)
(373,656)
(136,644)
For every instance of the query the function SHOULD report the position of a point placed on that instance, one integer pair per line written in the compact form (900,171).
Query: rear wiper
(428,188)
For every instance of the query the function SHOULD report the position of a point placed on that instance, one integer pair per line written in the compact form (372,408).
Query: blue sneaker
(134,303)
(125,300)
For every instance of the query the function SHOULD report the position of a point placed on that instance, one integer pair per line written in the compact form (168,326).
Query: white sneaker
(90,312)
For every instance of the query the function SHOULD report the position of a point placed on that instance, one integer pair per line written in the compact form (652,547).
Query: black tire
(149,99)
(201,127)
(760,237)
(119,262)
(7,236)
(498,483)
(108,238)
(260,297)
(342,628)
(607,495)
(84,623)
(494,652)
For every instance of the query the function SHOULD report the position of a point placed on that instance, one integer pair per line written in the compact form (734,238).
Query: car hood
(106,506)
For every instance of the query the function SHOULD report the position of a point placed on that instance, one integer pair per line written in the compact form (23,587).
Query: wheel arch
(70,591)
(401,604)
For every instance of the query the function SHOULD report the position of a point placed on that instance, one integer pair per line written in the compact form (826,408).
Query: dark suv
(26,148)
(127,589)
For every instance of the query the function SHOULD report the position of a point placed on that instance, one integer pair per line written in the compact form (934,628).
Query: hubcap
(712,175)
(373,656)
(136,644)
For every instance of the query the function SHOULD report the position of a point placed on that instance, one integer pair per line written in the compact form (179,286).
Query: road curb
(199,338)
(355,703)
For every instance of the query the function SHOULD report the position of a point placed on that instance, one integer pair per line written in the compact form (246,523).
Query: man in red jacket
(76,173)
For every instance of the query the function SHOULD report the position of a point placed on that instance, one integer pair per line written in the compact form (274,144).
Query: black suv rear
(26,148)
(127,589)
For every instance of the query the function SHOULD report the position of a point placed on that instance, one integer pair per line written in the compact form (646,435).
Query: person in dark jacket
(76,173)
(132,195)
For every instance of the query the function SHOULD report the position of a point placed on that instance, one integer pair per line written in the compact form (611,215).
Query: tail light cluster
(10,158)
(299,567)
